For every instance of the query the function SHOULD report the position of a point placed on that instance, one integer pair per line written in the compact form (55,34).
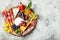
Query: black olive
(14,27)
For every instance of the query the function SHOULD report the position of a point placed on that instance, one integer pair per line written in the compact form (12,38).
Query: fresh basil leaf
(29,5)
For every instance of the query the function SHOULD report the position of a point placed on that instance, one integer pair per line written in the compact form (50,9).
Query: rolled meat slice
(31,27)
(27,31)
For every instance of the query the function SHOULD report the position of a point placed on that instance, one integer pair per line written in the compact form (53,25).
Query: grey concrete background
(48,26)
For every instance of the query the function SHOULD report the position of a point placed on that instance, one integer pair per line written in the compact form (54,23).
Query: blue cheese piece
(15,11)
(18,20)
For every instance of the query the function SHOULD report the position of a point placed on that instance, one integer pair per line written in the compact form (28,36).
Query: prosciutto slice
(31,27)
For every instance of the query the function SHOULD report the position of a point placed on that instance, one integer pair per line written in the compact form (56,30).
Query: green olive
(18,31)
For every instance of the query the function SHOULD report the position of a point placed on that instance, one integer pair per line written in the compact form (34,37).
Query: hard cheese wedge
(15,11)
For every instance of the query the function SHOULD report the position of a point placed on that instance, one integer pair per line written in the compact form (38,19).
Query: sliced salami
(28,31)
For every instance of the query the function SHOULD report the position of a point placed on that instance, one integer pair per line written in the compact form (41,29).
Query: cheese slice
(22,28)
(15,11)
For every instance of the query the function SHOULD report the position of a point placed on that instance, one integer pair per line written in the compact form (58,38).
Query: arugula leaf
(29,5)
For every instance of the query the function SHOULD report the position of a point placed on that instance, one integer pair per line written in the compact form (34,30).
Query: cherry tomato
(22,7)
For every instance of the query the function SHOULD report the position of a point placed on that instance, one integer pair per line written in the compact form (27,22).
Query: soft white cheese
(15,11)
(18,20)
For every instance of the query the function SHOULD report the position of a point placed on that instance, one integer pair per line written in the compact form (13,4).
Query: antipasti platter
(19,20)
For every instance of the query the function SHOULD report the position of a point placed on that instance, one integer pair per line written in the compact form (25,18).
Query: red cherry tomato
(22,7)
